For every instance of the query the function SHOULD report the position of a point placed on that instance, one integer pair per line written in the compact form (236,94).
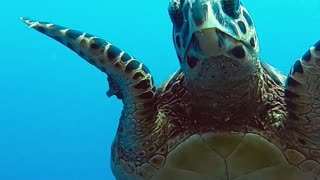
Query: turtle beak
(208,27)
(207,43)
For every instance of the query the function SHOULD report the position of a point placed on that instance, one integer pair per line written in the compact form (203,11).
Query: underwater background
(56,123)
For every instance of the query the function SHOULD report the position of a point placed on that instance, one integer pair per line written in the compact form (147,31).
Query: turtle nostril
(238,52)
(192,61)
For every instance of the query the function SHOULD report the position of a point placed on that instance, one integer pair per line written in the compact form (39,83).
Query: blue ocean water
(55,119)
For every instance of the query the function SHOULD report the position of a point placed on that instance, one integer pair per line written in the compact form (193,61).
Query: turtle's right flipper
(302,95)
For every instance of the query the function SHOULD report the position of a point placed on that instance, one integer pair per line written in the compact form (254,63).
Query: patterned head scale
(227,17)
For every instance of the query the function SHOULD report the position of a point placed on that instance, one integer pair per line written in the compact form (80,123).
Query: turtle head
(215,41)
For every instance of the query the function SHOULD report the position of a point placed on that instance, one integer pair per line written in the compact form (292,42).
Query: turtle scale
(225,114)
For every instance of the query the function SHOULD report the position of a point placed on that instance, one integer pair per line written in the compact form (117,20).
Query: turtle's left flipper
(129,79)
(303,101)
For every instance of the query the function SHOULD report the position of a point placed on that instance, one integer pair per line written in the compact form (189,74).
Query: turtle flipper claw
(114,89)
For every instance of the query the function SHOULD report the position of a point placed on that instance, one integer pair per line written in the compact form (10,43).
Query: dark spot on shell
(73,34)
(307,56)
(252,42)
(192,61)
(125,57)
(94,46)
(144,84)
(137,75)
(297,67)
(238,52)
(117,65)
(145,69)
(113,52)
(57,27)
(98,43)
(87,35)
(151,149)
(242,27)
(141,153)
(157,161)
(248,18)
(163,150)
(133,65)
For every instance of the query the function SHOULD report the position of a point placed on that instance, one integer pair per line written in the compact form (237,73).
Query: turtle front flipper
(303,102)
(128,78)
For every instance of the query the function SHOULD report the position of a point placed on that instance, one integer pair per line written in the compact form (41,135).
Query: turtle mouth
(219,71)
(222,66)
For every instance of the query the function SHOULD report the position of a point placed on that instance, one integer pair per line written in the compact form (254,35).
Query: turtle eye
(192,61)
(231,8)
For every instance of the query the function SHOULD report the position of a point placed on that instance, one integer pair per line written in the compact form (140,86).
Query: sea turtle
(223,115)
